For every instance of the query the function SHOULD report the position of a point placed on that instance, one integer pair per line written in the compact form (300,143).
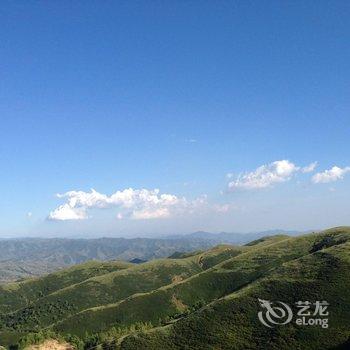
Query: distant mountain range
(28,257)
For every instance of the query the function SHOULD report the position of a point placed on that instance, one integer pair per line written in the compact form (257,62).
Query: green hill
(44,309)
(20,294)
(231,322)
(220,280)
(205,300)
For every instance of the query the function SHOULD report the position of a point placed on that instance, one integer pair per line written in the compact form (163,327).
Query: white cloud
(331,175)
(130,203)
(264,176)
(309,168)
(66,212)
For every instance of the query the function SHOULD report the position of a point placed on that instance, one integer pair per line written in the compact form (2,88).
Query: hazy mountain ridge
(237,237)
(21,258)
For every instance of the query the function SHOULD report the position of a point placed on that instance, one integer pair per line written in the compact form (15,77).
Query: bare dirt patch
(51,344)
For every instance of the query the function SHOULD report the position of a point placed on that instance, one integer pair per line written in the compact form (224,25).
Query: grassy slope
(216,282)
(232,323)
(20,294)
(206,286)
(111,287)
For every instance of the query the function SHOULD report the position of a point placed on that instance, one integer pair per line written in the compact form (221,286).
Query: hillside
(204,300)
(231,323)
(20,294)
(104,289)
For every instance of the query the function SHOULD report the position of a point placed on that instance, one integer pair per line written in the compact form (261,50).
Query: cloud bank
(137,204)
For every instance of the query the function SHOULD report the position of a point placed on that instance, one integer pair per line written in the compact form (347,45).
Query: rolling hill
(201,300)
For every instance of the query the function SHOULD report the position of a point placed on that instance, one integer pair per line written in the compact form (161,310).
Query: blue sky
(184,97)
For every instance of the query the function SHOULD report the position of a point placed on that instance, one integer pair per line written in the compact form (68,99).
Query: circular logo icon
(275,313)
